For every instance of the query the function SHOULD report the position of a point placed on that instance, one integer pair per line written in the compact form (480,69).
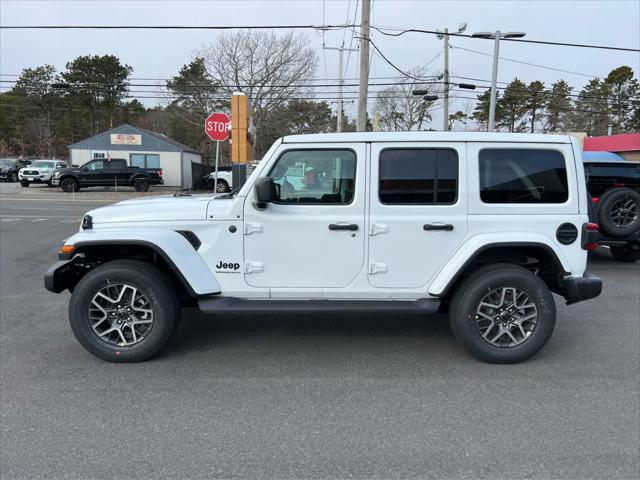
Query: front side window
(315,176)
(97,165)
(510,175)
(419,176)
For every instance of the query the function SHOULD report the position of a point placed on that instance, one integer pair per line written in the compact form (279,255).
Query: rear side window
(419,176)
(513,175)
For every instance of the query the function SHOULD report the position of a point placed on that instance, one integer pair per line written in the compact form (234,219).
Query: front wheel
(626,253)
(24,183)
(141,185)
(124,311)
(503,314)
(14,177)
(69,185)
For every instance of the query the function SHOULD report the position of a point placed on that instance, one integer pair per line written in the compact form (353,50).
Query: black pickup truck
(107,173)
(614,187)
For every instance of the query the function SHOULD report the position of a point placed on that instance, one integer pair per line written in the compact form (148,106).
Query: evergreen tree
(536,102)
(514,106)
(558,107)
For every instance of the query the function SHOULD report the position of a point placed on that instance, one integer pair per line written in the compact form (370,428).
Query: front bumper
(61,275)
(34,178)
(55,182)
(578,289)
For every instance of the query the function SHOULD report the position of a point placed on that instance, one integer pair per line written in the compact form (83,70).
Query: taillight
(595,199)
(590,236)
(159,172)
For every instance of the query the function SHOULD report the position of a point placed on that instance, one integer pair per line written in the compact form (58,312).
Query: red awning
(625,142)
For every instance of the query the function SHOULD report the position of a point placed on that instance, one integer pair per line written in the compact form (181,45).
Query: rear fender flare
(468,251)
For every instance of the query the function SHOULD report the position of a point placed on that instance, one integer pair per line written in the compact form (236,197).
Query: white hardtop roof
(350,137)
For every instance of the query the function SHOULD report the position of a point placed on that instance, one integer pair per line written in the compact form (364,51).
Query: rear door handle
(343,226)
(438,226)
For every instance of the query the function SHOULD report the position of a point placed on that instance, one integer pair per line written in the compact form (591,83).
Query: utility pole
(491,126)
(364,66)
(494,81)
(445,99)
(340,51)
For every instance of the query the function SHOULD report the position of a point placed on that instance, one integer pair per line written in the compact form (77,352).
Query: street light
(425,94)
(494,77)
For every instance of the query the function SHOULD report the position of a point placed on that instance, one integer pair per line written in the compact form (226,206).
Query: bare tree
(270,69)
(399,110)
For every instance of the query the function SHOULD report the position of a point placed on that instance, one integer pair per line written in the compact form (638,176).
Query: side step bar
(238,305)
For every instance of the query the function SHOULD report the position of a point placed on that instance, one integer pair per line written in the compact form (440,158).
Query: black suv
(107,173)
(615,189)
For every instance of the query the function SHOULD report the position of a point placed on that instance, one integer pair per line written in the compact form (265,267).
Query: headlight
(56,174)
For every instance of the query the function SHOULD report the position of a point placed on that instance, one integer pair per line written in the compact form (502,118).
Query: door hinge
(378,228)
(250,228)
(253,267)
(375,268)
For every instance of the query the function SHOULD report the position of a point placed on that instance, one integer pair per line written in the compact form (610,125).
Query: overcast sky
(160,54)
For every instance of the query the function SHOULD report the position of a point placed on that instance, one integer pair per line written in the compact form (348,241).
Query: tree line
(45,110)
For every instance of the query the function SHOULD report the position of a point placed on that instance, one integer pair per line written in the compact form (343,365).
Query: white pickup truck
(484,226)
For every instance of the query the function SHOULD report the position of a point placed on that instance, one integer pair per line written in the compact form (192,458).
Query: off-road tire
(222,186)
(141,185)
(69,185)
(467,297)
(150,281)
(24,183)
(608,202)
(626,253)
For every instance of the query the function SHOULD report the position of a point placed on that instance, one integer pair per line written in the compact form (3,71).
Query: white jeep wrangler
(482,225)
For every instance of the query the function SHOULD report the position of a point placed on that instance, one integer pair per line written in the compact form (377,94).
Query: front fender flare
(173,247)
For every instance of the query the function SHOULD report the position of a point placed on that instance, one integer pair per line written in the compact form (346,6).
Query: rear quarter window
(515,175)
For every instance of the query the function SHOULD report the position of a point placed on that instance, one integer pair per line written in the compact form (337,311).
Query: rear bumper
(578,289)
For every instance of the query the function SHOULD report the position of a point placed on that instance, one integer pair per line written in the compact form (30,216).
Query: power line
(519,40)
(301,27)
(526,63)
(175,27)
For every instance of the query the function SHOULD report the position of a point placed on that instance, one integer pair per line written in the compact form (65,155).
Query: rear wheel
(14,177)
(69,185)
(141,185)
(619,212)
(503,314)
(124,311)
(222,186)
(626,253)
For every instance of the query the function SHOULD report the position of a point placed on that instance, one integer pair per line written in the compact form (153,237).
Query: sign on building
(126,139)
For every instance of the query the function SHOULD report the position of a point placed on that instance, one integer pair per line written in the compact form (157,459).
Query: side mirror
(265,191)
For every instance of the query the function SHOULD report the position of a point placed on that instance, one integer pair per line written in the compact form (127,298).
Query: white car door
(418,212)
(312,236)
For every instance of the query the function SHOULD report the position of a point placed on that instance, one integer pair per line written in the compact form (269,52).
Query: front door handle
(447,227)
(343,226)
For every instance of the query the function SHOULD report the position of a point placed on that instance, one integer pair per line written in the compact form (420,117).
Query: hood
(164,208)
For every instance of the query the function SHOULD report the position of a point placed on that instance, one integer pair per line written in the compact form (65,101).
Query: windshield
(7,163)
(45,165)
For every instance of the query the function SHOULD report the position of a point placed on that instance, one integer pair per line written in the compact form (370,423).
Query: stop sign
(216,126)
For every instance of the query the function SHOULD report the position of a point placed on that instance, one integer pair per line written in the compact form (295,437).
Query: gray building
(141,148)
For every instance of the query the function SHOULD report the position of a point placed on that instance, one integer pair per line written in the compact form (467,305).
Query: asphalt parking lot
(312,397)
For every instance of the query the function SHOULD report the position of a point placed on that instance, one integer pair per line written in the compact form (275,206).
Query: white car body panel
(288,252)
